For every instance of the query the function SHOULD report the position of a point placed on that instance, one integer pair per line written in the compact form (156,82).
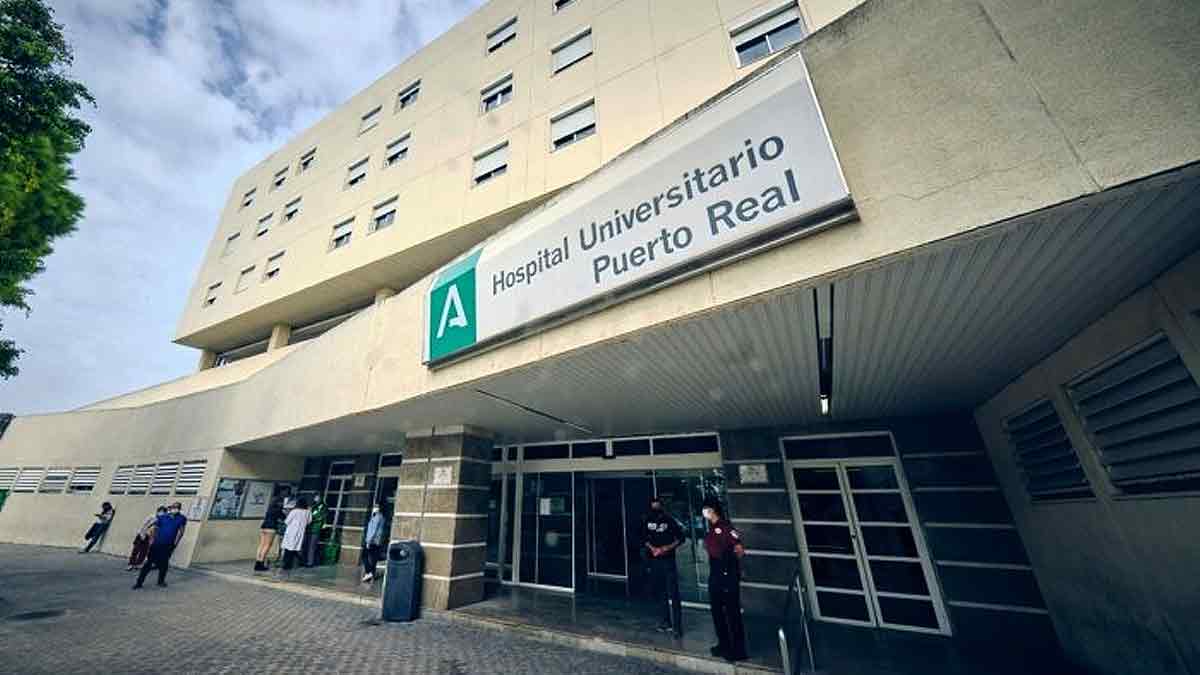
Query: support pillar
(281,335)
(208,359)
(441,501)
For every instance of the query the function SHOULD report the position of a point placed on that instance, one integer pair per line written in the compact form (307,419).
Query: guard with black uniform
(725,551)
(661,536)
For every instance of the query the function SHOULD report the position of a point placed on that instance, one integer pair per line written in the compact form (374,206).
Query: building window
(120,481)
(369,121)
(264,225)
(408,96)
(291,210)
(244,279)
(164,478)
(280,178)
(356,174)
(571,52)
(341,234)
(210,296)
(1048,461)
(383,215)
(502,35)
(191,475)
(1141,411)
(307,160)
(55,480)
(491,164)
(143,475)
(396,151)
(29,479)
(497,94)
(248,198)
(84,479)
(273,264)
(560,5)
(8,476)
(768,35)
(231,243)
(573,125)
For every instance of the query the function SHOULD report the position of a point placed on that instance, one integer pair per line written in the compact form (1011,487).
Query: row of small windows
(765,36)
(53,480)
(164,478)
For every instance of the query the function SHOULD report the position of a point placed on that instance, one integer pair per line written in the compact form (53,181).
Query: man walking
(662,535)
(168,530)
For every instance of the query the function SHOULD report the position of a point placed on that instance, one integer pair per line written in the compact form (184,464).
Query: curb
(697,664)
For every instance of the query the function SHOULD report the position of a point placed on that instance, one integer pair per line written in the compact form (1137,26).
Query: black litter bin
(402,585)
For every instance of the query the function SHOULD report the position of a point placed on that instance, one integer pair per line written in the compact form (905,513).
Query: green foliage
(38,136)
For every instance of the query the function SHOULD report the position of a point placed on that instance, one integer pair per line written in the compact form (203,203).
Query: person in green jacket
(312,538)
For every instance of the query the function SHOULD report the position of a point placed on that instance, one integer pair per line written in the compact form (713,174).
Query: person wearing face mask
(725,550)
(141,540)
(661,535)
(168,531)
(372,549)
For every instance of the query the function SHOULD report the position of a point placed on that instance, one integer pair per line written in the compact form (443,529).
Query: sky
(190,94)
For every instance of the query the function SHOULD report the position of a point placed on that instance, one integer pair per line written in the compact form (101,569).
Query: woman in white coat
(293,536)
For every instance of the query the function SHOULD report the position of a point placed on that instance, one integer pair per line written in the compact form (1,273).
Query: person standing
(661,535)
(266,533)
(312,540)
(297,523)
(96,532)
(373,543)
(725,550)
(168,530)
(141,540)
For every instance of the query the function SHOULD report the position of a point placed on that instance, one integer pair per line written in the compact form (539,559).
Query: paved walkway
(64,612)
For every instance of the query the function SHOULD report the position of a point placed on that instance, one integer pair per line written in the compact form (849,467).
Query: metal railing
(795,616)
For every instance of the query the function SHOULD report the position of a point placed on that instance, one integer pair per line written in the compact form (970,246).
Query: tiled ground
(205,624)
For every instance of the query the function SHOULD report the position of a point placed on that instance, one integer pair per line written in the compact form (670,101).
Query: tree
(39,134)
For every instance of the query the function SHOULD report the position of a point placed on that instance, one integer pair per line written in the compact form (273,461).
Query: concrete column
(383,294)
(442,503)
(208,359)
(281,334)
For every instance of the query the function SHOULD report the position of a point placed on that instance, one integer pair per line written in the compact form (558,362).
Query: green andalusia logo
(452,315)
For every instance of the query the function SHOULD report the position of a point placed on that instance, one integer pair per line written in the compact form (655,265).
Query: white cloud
(190,94)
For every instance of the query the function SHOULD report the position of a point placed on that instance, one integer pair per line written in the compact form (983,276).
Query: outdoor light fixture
(824,326)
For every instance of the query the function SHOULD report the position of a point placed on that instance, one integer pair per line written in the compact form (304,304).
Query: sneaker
(716,650)
(368,577)
(664,627)
(162,584)
(130,568)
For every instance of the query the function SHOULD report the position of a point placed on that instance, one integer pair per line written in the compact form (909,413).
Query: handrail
(795,592)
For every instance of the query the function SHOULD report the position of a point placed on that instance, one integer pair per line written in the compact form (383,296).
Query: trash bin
(402,585)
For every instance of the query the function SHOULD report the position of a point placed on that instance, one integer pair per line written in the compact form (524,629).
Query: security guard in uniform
(725,551)
(661,535)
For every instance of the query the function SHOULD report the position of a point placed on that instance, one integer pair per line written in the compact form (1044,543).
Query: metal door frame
(840,464)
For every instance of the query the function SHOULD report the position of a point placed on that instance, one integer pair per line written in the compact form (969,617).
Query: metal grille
(29,479)
(55,480)
(1048,461)
(142,476)
(120,481)
(8,476)
(191,475)
(164,478)
(84,479)
(1142,411)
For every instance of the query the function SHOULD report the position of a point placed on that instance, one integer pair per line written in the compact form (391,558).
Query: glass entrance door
(866,560)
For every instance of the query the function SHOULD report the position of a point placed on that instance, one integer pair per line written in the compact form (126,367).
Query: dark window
(682,445)
(556,451)
(390,460)
(838,446)
(589,449)
(628,447)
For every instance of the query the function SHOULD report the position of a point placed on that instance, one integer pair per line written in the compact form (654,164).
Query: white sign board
(443,475)
(258,498)
(752,474)
(753,168)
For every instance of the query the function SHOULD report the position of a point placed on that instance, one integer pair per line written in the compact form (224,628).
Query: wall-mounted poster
(257,498)
(227,502)
(196,512)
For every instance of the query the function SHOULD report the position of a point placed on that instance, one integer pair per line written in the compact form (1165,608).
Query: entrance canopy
(935,329)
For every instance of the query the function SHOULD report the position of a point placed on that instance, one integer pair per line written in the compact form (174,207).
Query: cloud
(190,94)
